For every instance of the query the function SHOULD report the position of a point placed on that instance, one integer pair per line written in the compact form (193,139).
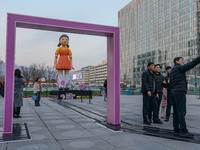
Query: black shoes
(183,135)
(147,122)
(176,134)
(186,135)
(17,116)
(167,119)
(157,121)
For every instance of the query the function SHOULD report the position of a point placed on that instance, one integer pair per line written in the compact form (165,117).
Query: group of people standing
(155,87)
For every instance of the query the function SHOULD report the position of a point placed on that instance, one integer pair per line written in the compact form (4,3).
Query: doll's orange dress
(63,61)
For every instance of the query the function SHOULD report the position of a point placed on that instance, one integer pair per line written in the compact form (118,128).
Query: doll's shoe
(66,88)
(61,88)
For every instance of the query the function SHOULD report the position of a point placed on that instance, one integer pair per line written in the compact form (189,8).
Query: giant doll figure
(64,63)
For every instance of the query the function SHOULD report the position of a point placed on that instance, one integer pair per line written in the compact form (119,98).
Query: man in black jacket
(149,91)
(179,89)
(169,99)
(2,89)
(160,83)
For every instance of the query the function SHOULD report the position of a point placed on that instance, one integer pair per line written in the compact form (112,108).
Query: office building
(157,31)
(98,74)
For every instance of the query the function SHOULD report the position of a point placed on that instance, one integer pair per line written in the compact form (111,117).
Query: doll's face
(64,41)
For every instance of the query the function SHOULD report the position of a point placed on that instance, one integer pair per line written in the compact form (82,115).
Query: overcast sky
(37,46)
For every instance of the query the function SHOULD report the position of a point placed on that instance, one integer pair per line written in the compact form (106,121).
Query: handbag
(34,97)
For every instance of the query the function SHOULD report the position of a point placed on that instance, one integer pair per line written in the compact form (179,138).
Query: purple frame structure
(113,59)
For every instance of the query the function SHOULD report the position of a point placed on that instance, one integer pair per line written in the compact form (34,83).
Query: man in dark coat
(2,89)
(169,99)
(179,89)
(160,82)
(105,86)
(149,97)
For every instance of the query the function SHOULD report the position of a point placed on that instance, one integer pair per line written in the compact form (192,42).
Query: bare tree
(26,74)
(51,74)
(35,71)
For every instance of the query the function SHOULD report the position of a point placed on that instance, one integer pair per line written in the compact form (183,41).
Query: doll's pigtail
(59,45)
(67,46)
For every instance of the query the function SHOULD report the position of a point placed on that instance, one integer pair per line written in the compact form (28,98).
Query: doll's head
(63,40)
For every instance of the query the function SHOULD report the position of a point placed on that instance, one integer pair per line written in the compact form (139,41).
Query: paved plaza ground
(55,127)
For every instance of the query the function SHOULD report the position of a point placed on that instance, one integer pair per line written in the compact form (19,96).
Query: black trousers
(149,101)
(37,102)
(159,99)
(16,111)
(179,106)
(169,104)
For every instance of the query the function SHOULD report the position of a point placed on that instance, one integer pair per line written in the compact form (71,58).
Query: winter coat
(159,82)
(1,89)
(18,91)
(148,82)
(178,77)
(164,98)
(37,87)
(168,85)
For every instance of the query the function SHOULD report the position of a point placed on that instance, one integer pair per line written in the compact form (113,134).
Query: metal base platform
(20,132)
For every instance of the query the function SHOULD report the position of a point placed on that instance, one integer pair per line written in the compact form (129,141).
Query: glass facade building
(157,31)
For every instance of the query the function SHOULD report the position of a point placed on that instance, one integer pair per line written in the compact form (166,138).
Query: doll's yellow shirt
(63,48)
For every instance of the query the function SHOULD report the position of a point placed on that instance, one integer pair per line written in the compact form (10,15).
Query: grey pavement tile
(93,143)
(52,117)
(42,137)
(179,145)
(74,116)
(72,134)
(90,125)
(81,120)
(124,139)
(64,126)
(102,131)
(3,146)
(58,121)
(34,123)
(35,129)
(146,146)
(33,145)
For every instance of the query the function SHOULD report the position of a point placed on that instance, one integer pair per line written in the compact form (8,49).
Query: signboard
(77,76)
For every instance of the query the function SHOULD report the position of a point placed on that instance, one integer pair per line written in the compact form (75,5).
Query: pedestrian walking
(37,91)
(179,88)
(18,93)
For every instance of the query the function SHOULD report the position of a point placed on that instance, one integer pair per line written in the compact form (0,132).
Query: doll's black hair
(63,35)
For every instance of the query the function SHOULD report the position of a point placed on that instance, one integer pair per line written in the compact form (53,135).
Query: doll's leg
(60,79)
(66,78)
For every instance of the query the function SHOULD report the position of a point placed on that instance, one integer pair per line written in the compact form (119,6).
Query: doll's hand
(54,66)
(72,68)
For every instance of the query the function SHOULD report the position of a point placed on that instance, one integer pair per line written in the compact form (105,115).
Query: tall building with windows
(157,31)
(98,74)
(84,73)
